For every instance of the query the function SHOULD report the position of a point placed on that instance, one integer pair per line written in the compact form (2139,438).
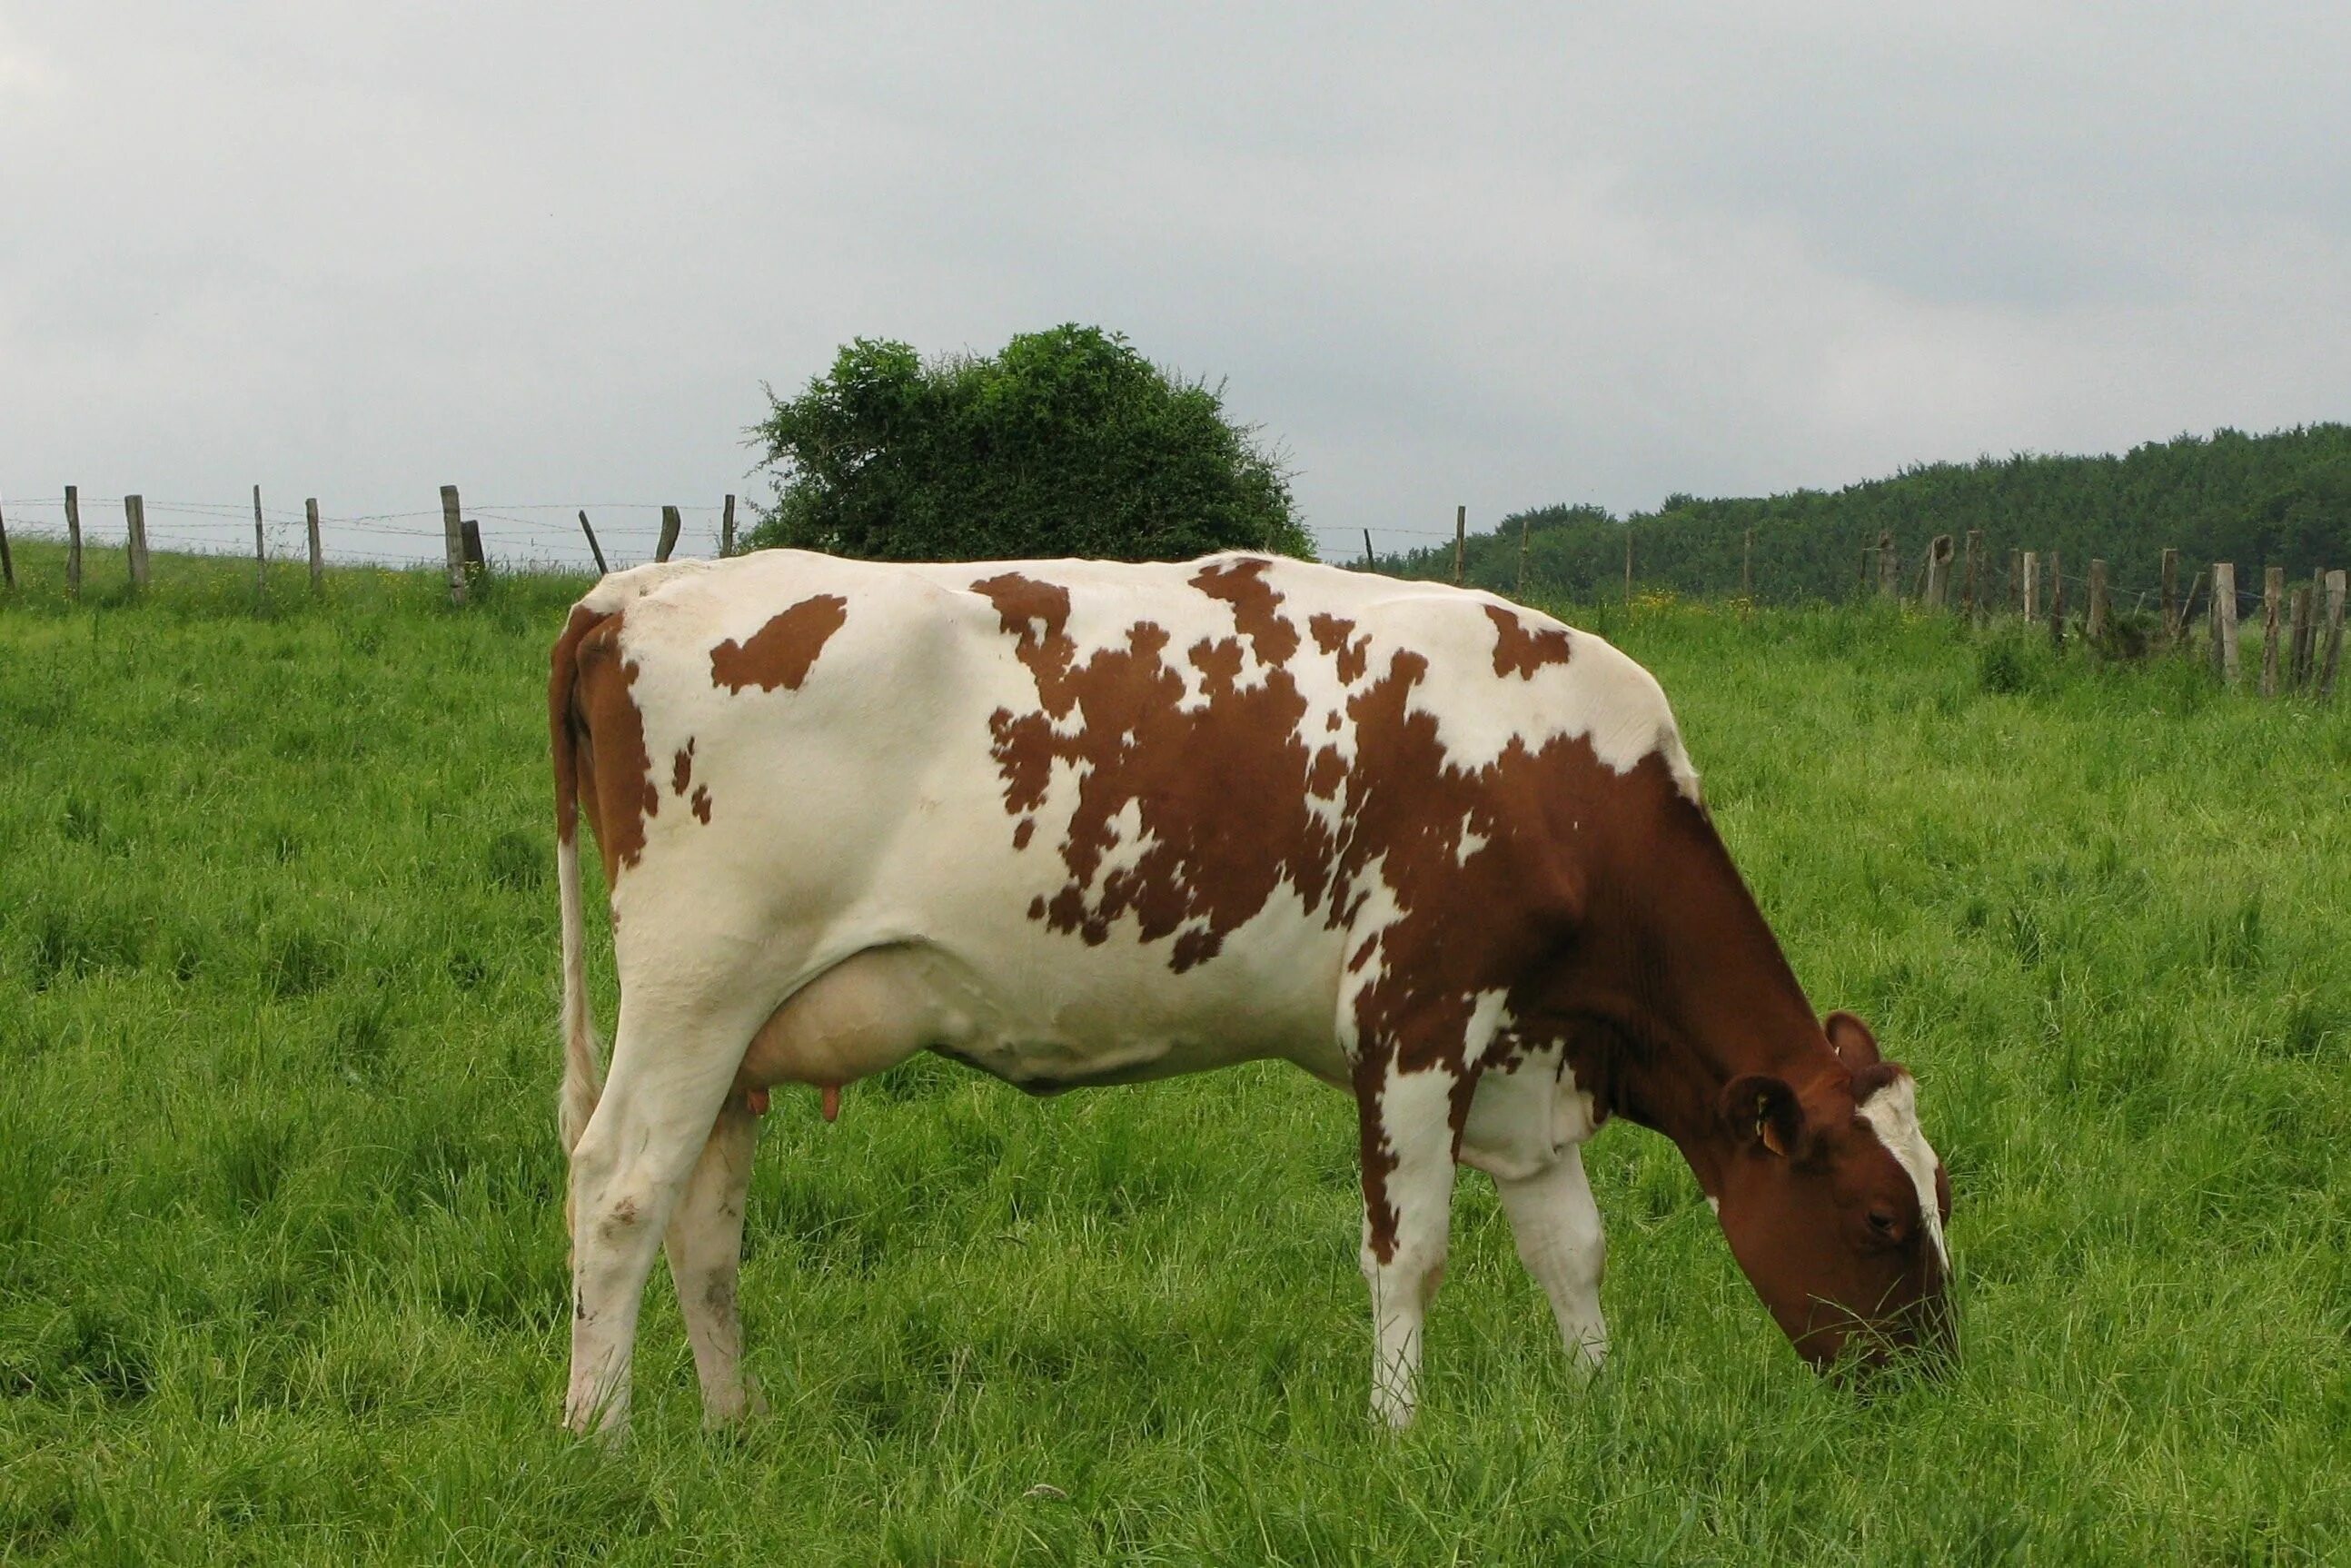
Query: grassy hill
(282,1261)
(2281,499)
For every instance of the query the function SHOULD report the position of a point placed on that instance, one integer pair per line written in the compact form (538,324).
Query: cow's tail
(583,1079)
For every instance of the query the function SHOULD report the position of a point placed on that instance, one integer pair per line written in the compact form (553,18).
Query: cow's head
(1835,1206)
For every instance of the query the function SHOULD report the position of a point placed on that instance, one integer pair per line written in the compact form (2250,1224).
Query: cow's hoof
(747,1405)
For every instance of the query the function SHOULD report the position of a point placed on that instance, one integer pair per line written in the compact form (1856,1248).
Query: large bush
(1068,443)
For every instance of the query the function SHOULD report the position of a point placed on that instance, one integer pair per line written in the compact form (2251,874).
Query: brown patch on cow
(617,1224)
(1255,605)
(781,654)
(702,804)
(562,728)
(681,772)
(1025,830)
(1375,1151)
(1520,652)
(600,744)
(1332,634)
(1322,778)
(1204,867)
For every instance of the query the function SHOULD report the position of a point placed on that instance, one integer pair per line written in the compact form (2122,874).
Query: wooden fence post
(2334,585)
(2317,627)
(73,543)
(1523,526)
(1886,566)
(2188,605)
(318,562)
(671,523)
(2031,586)
(727,530)
(2298,640)
(1371,561)
(7,561)
(1939,572)
(134,513)
(1968,602)
(469,534)
(452,539)
(593,548)
(260,556)
(1460,541)
(2172,617)
(2057,599)
(2224,621)
(1747,566)
(2094,629)
(2272,589)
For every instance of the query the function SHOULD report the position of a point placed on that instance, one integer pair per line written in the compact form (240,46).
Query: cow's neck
(1696,992)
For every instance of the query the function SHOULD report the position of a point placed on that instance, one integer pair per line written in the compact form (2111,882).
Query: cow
(1081,823)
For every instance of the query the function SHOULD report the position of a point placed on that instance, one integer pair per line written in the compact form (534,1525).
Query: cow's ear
(1763,1113)
(1850,1038)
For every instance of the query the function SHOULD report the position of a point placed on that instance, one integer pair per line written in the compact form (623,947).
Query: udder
(866,1014)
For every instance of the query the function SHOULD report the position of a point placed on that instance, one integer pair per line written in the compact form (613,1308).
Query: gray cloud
(1499,256)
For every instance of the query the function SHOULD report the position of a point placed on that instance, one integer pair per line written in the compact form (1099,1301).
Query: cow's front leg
(1407,1137)
(705,1244)
(1557,1227)
(1525,1128)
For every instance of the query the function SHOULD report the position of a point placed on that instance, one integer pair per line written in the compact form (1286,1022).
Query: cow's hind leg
(705,1243)
(670,1072)
(1407,1209)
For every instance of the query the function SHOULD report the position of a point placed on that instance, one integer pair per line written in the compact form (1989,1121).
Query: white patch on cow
(1714,1204)
(1893,1114)
(1378,911)
(1472,841)
(1599,695)
(1126,839)
(620,589)
(1485,1018)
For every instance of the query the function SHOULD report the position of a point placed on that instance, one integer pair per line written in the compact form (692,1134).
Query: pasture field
(282,1268)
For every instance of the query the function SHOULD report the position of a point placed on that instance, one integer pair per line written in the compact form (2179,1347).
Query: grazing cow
(1077,822)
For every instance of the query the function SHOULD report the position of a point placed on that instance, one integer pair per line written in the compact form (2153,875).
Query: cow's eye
(1885,1224)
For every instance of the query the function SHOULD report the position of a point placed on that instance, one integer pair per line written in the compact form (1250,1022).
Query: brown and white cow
(1077,822)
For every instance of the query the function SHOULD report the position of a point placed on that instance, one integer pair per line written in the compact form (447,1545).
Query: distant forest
(2281,499)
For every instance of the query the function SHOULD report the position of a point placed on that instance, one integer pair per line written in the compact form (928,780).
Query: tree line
(2277,499)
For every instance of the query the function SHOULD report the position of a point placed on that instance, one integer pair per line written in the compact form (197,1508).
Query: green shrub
(1068,443)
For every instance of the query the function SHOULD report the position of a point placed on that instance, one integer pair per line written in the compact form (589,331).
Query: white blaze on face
(1893,1114)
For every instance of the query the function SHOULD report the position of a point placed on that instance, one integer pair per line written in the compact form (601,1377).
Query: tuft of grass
(282,1268)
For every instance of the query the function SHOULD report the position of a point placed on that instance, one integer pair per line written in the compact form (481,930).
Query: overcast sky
(1493,256)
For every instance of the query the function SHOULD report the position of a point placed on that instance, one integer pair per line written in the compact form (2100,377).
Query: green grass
(282,1271)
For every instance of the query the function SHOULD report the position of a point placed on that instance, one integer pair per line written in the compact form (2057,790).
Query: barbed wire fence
(2301,627)
(527,532)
